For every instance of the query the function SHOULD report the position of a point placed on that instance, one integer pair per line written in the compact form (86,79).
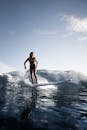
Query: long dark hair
(31,54)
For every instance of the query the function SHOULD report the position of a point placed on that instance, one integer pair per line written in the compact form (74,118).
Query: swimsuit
(32,64)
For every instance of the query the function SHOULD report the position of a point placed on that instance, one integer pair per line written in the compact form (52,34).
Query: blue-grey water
(54,107)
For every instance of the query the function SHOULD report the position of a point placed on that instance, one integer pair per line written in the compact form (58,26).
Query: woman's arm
(25,62)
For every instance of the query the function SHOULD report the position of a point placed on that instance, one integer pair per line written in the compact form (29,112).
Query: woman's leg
(35,74)
(31,75)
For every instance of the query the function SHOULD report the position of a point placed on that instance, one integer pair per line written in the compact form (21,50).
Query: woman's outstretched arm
(25,62)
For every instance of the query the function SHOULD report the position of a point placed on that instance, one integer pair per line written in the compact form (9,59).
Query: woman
(33,65)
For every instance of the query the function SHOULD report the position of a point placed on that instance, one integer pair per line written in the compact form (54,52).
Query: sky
(55,30)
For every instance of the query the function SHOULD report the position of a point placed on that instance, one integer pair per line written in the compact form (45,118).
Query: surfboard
(51,83)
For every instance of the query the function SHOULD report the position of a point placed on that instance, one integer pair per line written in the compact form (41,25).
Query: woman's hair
(31,54)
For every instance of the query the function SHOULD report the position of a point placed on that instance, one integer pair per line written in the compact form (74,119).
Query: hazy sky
(56,30)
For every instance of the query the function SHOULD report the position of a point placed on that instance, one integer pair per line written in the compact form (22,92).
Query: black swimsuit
(32,64)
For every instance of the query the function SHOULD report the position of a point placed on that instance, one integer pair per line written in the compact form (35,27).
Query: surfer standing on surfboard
(33,66)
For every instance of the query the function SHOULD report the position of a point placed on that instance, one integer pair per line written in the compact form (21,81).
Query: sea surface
(53,107)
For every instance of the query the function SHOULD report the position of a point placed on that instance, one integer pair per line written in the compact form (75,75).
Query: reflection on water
(45,96)
(26,113)
(62,106)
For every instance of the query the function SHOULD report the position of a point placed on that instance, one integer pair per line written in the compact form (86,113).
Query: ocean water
(53,107)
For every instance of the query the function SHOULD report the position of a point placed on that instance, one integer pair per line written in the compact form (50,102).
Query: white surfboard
(51,83)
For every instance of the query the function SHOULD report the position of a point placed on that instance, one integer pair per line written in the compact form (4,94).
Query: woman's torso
(32,60)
